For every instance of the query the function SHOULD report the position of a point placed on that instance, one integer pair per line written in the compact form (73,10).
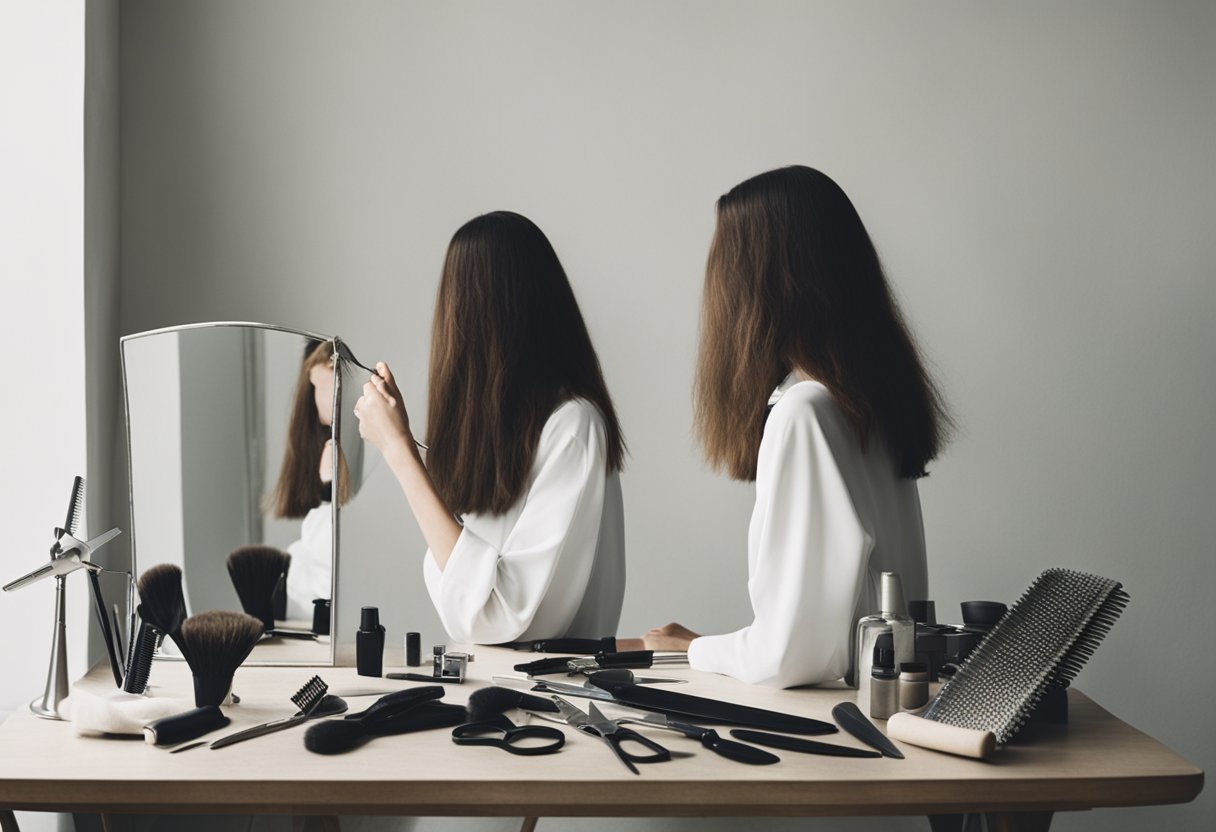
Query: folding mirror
(236,436)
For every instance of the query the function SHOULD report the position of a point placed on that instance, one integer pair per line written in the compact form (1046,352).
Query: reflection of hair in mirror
(508,346)
(300,488)
(256,572)
(793,282)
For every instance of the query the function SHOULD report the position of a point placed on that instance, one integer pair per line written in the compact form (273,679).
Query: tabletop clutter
(998,670)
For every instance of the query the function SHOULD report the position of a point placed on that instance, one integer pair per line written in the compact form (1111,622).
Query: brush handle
(966,742)
(259,730)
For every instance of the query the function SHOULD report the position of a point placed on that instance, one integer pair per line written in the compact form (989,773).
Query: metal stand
(47,705)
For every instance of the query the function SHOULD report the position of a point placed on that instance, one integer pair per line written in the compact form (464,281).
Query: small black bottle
(369,643)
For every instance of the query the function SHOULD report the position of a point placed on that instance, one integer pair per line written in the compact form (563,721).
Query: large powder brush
(255,572)
(214,644)
(162,609)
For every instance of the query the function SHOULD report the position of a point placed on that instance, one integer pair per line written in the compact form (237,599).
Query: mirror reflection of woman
(524,447)
(304,487)
(809,384)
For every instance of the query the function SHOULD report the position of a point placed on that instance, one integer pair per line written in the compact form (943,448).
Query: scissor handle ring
(623,735)
(494,733)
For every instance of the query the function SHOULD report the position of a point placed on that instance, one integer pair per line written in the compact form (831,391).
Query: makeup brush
(400,712)
(214,644)
(255,572)
(161,611)
(490,702)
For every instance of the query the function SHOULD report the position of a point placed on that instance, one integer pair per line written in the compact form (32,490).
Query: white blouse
(829,517)
(554,563)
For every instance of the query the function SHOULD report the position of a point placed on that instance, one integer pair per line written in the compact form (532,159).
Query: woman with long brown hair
(524,447)
(808,383)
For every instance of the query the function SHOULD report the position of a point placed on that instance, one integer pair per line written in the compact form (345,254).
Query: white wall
(42,284)
(1038,178)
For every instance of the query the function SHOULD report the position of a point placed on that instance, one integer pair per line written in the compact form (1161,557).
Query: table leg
(1018,821)
(529,825)
(315,823)
(956,823)
(8,821)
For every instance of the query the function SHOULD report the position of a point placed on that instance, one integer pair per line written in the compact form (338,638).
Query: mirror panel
(227,430)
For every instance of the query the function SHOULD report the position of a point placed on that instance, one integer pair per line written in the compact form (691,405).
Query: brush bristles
(162,603)
(309,697)
(489,702)
(335,736)
(1043,641)
(215,643)
(255,572)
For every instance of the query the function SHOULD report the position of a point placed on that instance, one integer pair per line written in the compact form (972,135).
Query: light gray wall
(1038,178)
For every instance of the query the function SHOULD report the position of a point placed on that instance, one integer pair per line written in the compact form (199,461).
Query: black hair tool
(564,645)
(600,661)
(852,720)
(397,713)
(488,725)
(709,710)
(799,744)
(162,609)
(255,572)
(312,703)
(214,644)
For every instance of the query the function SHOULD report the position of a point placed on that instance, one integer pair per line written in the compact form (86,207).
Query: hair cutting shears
(505,734)
(609,730)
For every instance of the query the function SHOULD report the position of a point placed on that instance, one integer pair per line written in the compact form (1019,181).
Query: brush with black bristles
(1040,644)
(214,644)
(161,610)
(401,712)
(487,703)
(255,572)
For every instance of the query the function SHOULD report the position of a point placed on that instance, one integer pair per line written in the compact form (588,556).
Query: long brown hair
(508,346)
(793,282)
(299,488)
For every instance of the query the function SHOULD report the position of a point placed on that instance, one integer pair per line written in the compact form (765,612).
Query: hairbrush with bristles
(1042,642)
(312,703)
(161,610)
(214,644)
(401,712)
(256,572)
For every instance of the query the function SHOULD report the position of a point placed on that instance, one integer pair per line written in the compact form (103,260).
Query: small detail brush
(255,572)
(397,713)
(214,644)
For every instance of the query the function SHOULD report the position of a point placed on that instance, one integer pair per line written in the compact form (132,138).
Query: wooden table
(1094,761)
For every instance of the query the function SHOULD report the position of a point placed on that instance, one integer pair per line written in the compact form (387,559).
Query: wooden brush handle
(965,742)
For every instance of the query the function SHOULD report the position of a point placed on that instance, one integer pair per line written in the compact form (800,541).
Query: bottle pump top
(891,596)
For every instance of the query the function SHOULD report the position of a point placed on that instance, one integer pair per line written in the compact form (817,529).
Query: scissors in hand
(502,732)
(609,730)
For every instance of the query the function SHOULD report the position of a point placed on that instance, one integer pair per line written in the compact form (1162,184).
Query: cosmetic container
(413,650)
(884,685)
(369,643)
(913,685)
(320,616)
(890,618)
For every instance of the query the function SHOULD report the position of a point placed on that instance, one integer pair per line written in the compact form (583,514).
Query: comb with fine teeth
(1042,642)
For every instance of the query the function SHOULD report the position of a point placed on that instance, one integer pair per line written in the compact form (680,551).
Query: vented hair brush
(256,572)
(1042,642)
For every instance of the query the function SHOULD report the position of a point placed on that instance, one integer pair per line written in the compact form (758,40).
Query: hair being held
(509,345)
(793,282)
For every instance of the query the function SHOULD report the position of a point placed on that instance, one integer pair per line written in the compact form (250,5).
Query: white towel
(117,712)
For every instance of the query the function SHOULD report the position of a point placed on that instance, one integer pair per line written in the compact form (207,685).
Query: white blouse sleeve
(808,553)
(486,595)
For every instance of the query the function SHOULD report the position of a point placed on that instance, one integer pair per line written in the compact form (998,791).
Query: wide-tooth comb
(1042,642)
(75,508)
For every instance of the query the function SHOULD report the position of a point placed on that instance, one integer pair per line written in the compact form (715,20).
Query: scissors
(609,730)
(505,734)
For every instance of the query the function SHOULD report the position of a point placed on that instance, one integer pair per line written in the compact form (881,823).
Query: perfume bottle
(892,617)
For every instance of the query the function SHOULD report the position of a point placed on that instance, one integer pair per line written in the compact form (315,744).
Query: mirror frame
(335,435)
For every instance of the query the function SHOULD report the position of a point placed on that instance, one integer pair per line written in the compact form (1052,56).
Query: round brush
(397,713)
(214,644)
(255,572)
(490,702)
(162,609)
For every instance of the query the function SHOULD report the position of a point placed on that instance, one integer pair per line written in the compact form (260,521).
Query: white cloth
(829,517)
(554,563)
(117,712)
(311,572)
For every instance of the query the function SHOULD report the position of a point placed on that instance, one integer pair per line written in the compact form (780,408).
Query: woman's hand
(669,637)
(383,420)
